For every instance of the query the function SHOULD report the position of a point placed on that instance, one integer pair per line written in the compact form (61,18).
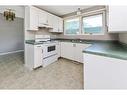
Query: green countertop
(112,49)
(32,42)
(109,49)
(61,40)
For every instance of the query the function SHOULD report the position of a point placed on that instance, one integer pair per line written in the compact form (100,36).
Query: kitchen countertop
(112,49)
(33,42)
(61,40)
(109,49)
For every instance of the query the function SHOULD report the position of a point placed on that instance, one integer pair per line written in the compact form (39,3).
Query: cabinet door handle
(74,45)
(42,50)
(38,46)
(45,24)
(107,27)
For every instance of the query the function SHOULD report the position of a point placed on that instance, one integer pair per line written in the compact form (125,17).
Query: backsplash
(45,31)
(123,37)
(106,36)
(90,37)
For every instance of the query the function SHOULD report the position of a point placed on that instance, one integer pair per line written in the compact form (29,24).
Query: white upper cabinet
(35,18)
(42,18)
(60,25)
(117,19)
(57,24)
(31,18)
(50,19)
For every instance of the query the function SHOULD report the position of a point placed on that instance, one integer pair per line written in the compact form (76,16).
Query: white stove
(42,38)
(49,48)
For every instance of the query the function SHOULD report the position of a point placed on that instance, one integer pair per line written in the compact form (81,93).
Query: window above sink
(92,23)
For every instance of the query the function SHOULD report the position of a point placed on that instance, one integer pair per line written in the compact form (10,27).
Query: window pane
(92,24)
(71,26)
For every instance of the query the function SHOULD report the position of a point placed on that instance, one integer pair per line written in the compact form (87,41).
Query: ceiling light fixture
(9,15)
(78,11)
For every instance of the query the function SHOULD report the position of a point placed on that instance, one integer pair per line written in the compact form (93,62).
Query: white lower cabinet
(58,48)
(33,56)
(73,51)
(102,72)
(38,52)
(67,50)
(79,51)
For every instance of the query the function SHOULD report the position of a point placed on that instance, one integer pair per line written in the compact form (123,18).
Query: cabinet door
(42,17)
(55,24)
(38,56)
(58,48)
(78,51)
(117,18)
(60,25)
(33,24)
(67,50)
(50,19)
(102,72)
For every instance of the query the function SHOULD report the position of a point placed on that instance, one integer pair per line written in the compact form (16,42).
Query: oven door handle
(50,45)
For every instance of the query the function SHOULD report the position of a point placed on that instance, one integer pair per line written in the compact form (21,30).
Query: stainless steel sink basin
(79,41)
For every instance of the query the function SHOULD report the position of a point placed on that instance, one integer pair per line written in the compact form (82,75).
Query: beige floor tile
(63,74)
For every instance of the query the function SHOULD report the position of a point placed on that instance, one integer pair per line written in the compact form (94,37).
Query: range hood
(45,26)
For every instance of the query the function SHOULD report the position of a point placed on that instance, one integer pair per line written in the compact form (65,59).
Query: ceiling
(62,10)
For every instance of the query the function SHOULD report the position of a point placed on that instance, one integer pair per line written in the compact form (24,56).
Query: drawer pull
(74,45)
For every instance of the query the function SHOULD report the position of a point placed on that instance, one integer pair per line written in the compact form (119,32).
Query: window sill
(84,34)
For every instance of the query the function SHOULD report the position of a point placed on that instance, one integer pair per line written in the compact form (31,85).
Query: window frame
(103,12)
(103,23)
(79,25)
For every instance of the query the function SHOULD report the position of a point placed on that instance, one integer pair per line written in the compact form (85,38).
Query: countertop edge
(103,54)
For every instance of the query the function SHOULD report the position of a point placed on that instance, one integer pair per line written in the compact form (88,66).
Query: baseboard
(11,52)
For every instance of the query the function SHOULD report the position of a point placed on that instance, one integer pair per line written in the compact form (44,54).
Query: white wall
(123,37)
(19,10)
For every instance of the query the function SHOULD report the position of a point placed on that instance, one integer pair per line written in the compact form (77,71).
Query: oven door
(49,50)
